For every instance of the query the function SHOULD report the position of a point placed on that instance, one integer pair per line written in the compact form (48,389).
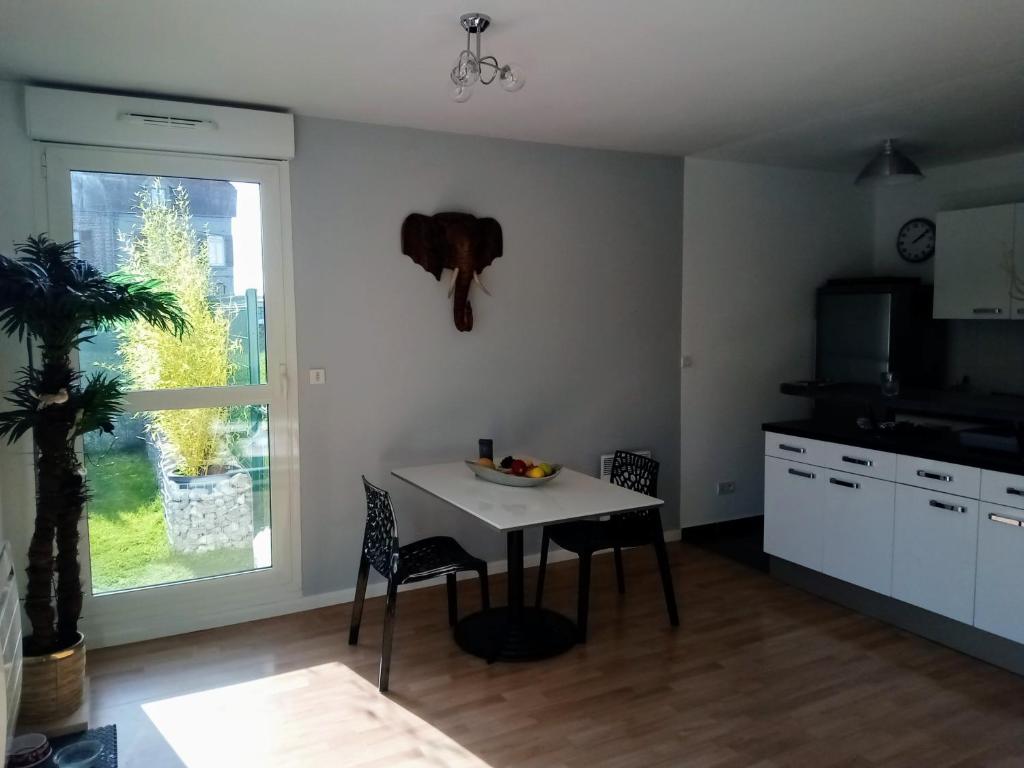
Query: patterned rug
(107,735)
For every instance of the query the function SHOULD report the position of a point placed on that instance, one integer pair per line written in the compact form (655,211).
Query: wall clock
(916,240)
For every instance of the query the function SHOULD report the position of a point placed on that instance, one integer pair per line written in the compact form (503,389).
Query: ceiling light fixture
(472,68)
(889,167)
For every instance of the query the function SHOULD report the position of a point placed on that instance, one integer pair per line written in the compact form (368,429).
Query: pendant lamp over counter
(890,167)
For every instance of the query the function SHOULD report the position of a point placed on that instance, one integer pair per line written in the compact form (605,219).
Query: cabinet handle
(1015,491)
(1006,520)
(951,507)
(987,311)
(799,473)
(855,460)
(844,483)
(792,448)
(935,476)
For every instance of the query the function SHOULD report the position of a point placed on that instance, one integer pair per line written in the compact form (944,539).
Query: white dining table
(517,632)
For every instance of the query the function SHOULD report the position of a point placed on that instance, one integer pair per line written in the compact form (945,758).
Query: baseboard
(940,629)
(100,639)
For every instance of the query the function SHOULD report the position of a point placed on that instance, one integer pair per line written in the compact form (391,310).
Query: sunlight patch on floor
(323,715)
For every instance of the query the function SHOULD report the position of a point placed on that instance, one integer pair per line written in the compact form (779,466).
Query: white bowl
(503,478)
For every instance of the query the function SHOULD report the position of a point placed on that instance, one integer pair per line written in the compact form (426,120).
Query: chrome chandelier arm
(491,62)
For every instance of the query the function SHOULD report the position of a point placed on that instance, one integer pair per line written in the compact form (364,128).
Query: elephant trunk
(462,308)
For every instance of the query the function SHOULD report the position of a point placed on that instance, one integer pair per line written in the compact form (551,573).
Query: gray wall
(576,354)
(757,242)
(986,351)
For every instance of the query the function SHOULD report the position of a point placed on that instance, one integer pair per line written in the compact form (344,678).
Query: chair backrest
(635,472)
(380,537)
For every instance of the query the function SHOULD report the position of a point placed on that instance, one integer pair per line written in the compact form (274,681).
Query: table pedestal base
(535,634)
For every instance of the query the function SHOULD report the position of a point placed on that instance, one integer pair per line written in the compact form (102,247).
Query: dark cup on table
(486,448)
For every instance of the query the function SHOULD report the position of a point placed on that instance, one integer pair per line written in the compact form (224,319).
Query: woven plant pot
(53,686)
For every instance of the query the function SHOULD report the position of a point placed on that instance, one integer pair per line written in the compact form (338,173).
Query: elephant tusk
(455,276)
(476,277)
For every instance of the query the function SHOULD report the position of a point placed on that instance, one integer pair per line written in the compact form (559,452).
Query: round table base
(491,635)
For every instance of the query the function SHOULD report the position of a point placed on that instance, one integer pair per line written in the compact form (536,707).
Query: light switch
(317,375)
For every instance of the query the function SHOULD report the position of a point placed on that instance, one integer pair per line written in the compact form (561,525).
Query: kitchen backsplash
(990,352)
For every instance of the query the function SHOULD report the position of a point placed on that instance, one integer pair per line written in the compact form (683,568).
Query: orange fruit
(486,463)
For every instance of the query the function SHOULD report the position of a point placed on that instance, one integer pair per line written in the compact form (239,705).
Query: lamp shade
(890,167)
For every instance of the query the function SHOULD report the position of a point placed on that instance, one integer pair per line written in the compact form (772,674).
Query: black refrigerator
(870,326)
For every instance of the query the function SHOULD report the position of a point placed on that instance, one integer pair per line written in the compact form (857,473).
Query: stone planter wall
(205,513)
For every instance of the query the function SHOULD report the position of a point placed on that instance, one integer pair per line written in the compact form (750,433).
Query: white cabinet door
(973,259)
(999,598)
(935,549)
(858,529)
(793,496)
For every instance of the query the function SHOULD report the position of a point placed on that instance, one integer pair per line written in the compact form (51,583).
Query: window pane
(202,239)
(179,495)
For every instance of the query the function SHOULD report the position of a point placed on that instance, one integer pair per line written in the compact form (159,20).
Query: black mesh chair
(628,529)
(418,561)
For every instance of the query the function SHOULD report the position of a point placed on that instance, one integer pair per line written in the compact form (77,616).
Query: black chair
(418,561)
(628,529)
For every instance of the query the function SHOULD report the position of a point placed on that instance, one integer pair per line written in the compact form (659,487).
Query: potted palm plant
(59,301)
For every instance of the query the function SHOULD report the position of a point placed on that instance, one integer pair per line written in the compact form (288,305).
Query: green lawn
(127,538)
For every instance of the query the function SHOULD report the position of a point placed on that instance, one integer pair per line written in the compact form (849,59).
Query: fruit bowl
(507,478)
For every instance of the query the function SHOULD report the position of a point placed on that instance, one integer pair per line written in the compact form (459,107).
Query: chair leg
(485,588)
(389,632)
(357,604)
(666,576)
(583,597)
(453,600)
(542,568)
(620,574)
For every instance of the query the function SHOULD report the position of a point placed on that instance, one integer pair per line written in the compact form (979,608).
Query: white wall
(987,352)
(990,181)
(16,222)
(576,354)
(757,242)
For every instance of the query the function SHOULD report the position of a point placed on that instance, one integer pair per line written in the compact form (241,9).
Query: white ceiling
(813,83)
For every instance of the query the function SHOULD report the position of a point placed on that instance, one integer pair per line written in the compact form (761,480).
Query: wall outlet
(317,375)
(725,487)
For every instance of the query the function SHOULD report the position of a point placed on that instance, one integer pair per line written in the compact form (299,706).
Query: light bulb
(460,93)
(512,78)
(466,70)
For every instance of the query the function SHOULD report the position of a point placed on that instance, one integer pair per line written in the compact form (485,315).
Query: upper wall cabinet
(974,263)
(1017,292)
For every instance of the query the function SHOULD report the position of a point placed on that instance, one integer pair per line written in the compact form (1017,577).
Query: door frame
(131,615)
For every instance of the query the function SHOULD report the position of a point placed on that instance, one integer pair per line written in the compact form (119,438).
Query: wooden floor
(759,674)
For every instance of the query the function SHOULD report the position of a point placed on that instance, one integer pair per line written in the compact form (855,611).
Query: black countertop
(939,445)
(936,402)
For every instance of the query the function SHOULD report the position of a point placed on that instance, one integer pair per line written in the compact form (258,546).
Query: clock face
(916,241)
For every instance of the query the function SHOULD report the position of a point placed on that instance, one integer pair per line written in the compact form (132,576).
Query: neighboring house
(105,205)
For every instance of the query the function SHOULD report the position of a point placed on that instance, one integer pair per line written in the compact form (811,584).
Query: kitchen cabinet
(858,530)
(999,599)
(942,536)
(793,511)
(935,547)
(974,254)
(1017,284)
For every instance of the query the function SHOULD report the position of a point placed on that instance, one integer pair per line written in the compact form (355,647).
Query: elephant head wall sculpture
(456,241)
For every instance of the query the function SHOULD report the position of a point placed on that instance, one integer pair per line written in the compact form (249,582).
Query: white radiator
(605,469)
(10,644)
